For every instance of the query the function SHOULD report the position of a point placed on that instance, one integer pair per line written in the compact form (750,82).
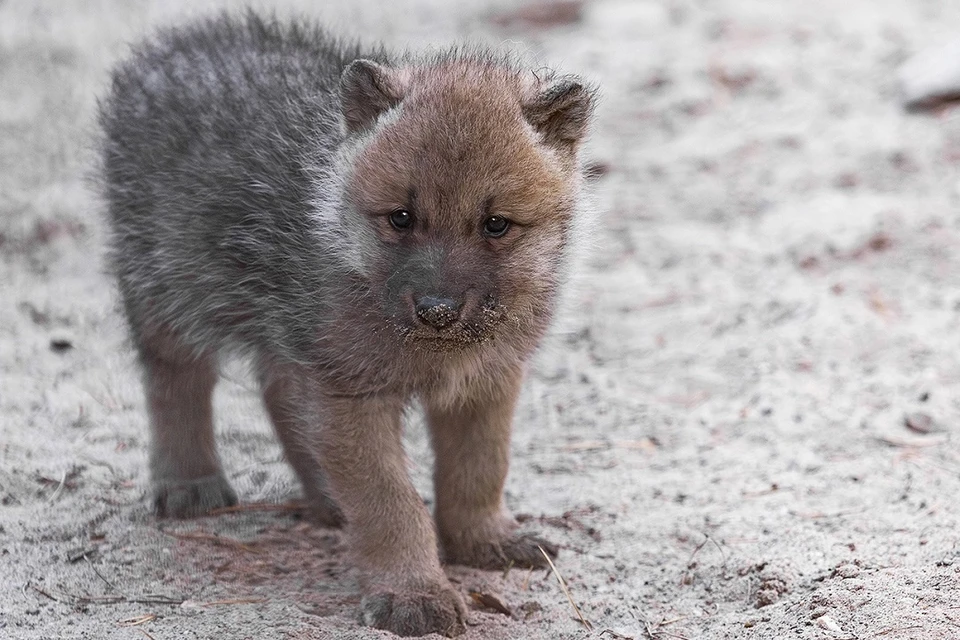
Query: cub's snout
(449,321)
(437,312)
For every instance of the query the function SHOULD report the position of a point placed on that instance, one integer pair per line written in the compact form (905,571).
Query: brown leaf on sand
(491,601)
(542,15)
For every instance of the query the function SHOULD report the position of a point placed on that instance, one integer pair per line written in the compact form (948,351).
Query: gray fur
(212,134)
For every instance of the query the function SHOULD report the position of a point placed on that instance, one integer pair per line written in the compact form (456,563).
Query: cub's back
(210,135)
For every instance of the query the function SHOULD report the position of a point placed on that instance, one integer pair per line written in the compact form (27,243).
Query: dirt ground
(747,427)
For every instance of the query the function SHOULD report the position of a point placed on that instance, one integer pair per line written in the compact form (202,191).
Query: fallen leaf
(491,601)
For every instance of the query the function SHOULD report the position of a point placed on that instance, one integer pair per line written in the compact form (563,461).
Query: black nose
(439,313)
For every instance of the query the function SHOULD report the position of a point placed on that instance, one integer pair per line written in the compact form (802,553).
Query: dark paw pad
(192,498)
(416,613)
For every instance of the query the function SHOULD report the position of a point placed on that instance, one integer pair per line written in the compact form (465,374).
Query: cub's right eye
(401,219)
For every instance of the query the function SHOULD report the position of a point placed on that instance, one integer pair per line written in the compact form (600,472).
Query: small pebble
(60,345)
(931,76)
(828,623)
(848,571)
(921,423)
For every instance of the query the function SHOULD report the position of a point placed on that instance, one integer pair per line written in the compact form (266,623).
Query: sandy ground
(748,428)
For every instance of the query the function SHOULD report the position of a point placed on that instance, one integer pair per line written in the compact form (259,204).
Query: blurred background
(746,428)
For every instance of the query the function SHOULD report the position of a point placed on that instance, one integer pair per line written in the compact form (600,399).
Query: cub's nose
(438,313)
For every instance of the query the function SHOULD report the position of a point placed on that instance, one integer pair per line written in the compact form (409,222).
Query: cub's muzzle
(438,313)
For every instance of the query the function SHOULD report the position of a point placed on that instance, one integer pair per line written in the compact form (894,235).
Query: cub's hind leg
(280,397)
(185,469)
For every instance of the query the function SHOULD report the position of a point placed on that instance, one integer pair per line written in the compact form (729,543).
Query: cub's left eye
(495,226)
(401,219)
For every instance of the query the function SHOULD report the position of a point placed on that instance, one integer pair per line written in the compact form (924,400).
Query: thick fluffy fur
(250,168)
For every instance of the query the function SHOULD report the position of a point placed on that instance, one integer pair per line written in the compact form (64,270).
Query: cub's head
(461,178)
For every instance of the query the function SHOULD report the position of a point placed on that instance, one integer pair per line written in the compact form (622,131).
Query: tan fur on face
(460,141)
(457,149)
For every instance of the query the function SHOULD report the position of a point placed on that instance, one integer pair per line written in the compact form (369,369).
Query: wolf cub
(367,229)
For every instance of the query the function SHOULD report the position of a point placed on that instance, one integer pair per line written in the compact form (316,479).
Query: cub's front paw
(416,612)
(192,498)
(519,550)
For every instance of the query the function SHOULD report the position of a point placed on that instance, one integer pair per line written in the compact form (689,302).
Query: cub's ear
(561,112)
(368,89)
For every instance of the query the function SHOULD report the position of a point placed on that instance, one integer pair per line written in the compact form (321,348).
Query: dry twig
(563,585)
(137,620)
(56,492)
(86,558)
(212,537)
(896,629)
(526,579)
(217,603)
(291,507)
(67,598)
